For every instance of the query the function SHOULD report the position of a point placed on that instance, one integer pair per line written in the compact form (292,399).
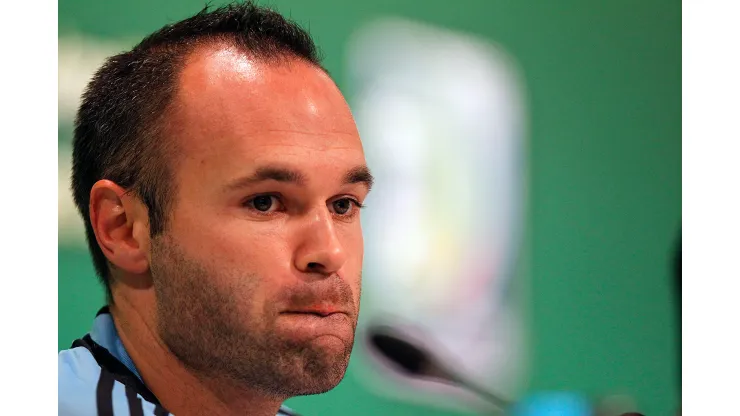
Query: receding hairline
(215,44)
(163,124)
(278,59)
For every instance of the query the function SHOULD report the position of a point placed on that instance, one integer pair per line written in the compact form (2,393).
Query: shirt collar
(104,333)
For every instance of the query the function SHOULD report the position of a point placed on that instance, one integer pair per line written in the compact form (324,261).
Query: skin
(251,294)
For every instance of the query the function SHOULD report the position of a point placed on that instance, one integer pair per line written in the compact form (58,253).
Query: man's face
(257,275)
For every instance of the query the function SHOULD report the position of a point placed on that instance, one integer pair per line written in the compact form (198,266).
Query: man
(220,175)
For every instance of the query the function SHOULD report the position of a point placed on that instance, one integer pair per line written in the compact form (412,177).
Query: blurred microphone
(413,360)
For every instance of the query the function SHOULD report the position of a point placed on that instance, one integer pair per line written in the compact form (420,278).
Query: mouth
(321,312)
(309,325)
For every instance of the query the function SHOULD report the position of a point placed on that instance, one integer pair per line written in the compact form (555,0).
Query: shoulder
(78,378)
(87,389)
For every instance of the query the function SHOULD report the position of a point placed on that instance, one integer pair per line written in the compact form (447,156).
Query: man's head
(220,173)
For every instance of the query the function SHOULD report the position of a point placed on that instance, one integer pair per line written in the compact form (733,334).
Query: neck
(179,389)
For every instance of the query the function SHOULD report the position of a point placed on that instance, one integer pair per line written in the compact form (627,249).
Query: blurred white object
(441,116)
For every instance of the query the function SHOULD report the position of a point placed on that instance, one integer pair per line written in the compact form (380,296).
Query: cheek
(354,247)
(247,260)
(254,247)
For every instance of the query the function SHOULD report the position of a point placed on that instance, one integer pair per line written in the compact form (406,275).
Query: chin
(322,385)
(320,376)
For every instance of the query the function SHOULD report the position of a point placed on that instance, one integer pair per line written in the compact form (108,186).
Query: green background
(604,108)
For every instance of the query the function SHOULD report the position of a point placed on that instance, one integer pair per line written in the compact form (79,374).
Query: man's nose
(321,250)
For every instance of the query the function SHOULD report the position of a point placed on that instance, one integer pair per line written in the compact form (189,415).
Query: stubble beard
(201,324)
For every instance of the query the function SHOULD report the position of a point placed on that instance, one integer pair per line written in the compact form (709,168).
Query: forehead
(232,110)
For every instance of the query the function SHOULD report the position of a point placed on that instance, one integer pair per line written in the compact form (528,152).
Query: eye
(345,207)
(264,203)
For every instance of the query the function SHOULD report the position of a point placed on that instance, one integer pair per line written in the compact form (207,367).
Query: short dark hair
(118,128)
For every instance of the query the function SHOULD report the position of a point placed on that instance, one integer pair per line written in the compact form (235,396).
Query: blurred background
(526,218)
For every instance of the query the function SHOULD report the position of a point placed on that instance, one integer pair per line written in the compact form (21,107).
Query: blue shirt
(98,378)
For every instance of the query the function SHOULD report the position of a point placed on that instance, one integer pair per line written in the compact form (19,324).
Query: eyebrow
(359,174)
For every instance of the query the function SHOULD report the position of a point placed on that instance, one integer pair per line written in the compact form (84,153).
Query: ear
(121,225)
